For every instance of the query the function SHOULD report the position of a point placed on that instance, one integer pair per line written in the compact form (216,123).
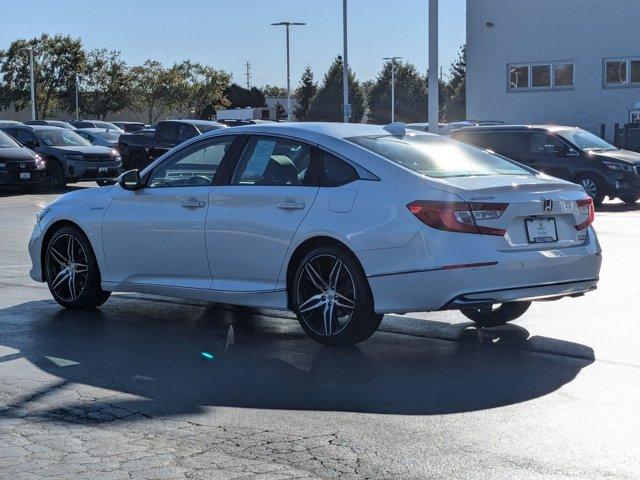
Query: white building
(571,62)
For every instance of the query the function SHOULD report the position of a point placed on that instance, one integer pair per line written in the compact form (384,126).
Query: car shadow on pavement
(10,191)
(170,360)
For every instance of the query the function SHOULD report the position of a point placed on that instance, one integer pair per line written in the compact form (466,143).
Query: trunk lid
(542,211)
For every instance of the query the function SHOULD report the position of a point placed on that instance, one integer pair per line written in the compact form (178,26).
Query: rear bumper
(507,277)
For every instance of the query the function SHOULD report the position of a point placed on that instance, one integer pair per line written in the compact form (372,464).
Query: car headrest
(280,171)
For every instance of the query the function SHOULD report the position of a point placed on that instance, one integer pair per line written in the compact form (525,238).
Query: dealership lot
(166,389)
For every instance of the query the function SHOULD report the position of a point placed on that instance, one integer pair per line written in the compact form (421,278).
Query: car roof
(192,121)
(95,130)
(39,127)
(331,129)
(514,128)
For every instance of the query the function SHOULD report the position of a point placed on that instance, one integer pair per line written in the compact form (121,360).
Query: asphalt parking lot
(156,388)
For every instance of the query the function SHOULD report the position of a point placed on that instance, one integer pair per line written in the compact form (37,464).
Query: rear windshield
(439,157)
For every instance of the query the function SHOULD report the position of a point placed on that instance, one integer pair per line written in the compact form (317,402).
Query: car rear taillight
(586,208)
(458,216)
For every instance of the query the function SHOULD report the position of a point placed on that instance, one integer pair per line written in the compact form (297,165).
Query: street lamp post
(433,67)
(77,109)
(287,25)
(346,108)
(33,87)
(393,86)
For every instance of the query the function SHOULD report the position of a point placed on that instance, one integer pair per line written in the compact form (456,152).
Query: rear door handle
(290,205)
(192,203)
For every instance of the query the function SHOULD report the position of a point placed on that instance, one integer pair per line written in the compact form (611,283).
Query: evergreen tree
(326,104)
(456,101)
(304,94)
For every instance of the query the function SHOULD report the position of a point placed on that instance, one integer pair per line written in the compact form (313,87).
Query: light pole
(346,108)
(288,24)
(433,67)
(393,86)
(33,87)
(77,109)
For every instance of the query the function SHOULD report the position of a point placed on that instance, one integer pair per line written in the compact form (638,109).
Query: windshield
(109,135)
(6,141)
(107,125)
(60,138)
(585,140)
(439,157)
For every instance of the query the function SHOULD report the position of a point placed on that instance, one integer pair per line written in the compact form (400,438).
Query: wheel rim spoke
(72,287)
(81,268)
(335,274)
(70,254)
(344,302)
(60,278)
(312,303)
(58,257)
(328,318)
(315,277)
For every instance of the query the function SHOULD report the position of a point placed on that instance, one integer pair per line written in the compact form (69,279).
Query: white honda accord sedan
(340,223)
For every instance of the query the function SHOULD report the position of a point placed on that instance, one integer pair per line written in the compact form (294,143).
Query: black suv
(68,156)
(19,165)
(569,153)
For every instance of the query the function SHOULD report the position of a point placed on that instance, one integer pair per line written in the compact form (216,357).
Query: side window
(274,161)
(186,132)
(542,143)
(25,136)
(85,135)
(194,166)
(510,143)
(168,133)
(335,172)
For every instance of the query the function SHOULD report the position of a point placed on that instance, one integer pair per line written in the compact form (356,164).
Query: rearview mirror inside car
(130,180)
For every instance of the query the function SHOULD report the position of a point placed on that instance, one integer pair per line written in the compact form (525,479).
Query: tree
(203,91)
(410,95)
(104,85)
(274,91)
(242,98)
(56,61)
(326,104)
(304,94)
(156,90)
(456,102)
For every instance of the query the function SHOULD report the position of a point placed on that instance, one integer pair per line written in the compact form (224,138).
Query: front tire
(332,299)
(71,270)
(495,315)
(54,175)
(593,186)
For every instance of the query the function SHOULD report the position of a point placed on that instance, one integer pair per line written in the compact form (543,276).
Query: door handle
(290,204)
(192,203)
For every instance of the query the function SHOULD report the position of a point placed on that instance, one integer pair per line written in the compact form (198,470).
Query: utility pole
(288,24)
(346,107)
(393,86)
(33,86)
(248,74)
(77,103)
(433,67)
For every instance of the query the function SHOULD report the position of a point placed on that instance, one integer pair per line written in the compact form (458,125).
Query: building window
(540,76)
(621,72)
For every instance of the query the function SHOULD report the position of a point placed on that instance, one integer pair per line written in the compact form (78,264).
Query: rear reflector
(458,216)
(586,208)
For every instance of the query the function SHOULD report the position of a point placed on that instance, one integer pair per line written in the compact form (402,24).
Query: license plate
(541,230)
(102,170)
(25,176)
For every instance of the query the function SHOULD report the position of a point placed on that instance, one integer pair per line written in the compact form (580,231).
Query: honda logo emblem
(547,205)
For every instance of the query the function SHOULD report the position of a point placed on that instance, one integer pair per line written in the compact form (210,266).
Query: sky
(225,34)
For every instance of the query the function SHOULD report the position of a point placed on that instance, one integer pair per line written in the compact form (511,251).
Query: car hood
(85,196)
(16,154)
(83,149)
(624,156)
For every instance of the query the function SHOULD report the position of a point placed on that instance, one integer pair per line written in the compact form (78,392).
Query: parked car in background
(68,157)
(232,122)
(447,128)
(51,123)
(130,126)
(100,136)
(569,153)
(19,165)
(141,148)
(340,223)
(423,126)
(95,124)
(9,123)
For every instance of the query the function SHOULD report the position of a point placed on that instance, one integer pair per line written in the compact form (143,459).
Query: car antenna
(397,129)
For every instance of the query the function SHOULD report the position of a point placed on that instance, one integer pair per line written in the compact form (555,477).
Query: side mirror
(130,180)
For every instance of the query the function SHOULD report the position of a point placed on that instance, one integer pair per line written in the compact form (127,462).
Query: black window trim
(190,148)
(628,83)
(529,65)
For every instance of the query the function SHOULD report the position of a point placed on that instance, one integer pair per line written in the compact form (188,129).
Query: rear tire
(495,315)
(630,200)
(593,186)
(331,297)
(137,160)
(71,270)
